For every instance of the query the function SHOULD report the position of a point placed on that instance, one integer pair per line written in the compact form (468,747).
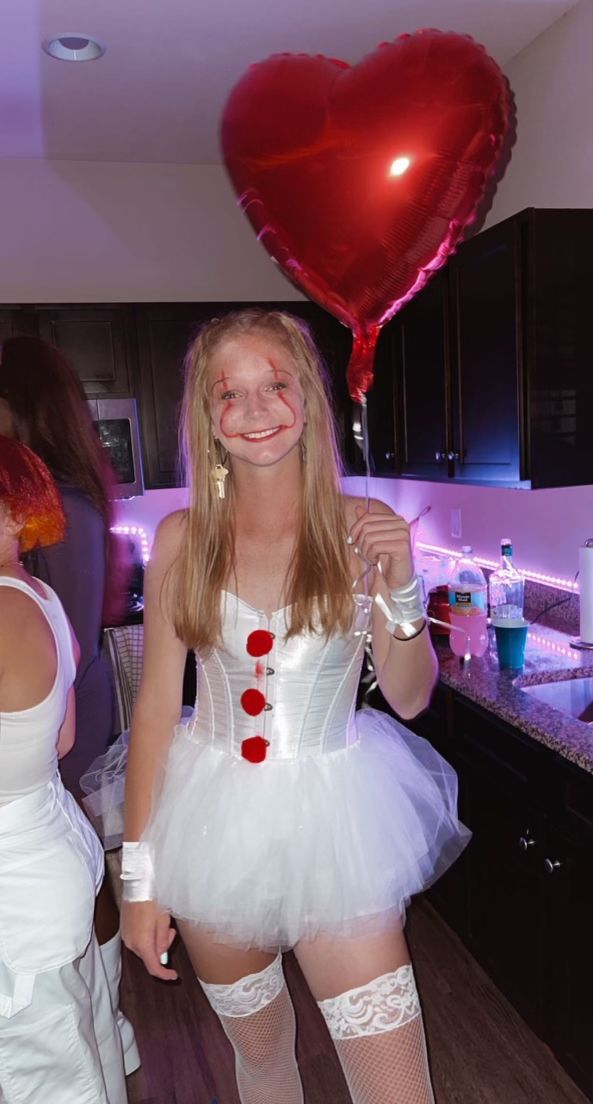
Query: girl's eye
(229,395)
(279,386)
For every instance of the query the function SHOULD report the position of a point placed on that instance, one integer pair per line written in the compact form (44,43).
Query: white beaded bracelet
(137,872)
(405,607)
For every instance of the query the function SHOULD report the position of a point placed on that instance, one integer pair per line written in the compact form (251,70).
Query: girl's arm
(67,733)
(406,668)
(158,705)
(145,929)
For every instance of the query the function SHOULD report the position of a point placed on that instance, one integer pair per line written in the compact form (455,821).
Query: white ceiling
(158,92)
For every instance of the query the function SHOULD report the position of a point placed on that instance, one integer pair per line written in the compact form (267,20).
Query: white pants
(59,1042)
(63,1047)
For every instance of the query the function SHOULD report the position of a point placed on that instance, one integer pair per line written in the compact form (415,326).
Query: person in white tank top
(58,1036)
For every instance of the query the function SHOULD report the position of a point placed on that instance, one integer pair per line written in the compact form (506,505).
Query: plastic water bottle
(506,587)
(468,606)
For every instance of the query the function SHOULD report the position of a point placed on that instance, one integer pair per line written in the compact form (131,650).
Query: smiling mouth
(262,434)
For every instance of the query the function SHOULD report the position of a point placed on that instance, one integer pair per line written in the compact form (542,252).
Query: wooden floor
(481,1051)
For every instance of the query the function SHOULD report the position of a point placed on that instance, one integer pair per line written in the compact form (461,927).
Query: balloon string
(363,578)
(366,452)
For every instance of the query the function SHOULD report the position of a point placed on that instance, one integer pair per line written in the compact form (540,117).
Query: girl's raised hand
(384,537)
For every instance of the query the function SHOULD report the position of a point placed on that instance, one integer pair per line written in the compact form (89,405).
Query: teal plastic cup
(511,636)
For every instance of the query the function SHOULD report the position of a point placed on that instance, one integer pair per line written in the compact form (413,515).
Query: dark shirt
(75,569)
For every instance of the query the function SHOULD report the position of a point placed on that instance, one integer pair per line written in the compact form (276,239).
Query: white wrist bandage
(405,607)
(137,872)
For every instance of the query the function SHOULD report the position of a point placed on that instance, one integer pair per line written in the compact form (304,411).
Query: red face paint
(283,399)
(251,378)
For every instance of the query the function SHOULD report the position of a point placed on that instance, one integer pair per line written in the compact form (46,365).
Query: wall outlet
(456,523)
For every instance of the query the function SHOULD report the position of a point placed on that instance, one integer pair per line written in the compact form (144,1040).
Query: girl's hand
(384,538)
(148,933)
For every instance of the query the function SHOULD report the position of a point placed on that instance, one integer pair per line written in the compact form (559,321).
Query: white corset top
(301,692)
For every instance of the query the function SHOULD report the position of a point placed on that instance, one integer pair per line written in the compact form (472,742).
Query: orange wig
(29,494)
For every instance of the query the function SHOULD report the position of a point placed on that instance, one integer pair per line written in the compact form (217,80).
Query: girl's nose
(254,405)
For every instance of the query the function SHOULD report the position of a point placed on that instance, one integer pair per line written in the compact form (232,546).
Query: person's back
(37,670)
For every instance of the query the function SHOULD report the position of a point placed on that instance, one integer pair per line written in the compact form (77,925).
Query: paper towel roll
(586,592)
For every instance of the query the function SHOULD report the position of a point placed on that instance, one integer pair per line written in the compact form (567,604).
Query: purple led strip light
(536,576)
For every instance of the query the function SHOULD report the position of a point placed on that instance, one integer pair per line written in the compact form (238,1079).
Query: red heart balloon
(360,180)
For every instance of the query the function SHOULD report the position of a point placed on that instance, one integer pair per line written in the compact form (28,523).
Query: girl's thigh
(220,963)
(332,965)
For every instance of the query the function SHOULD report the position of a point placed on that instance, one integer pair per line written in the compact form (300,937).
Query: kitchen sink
(572,696)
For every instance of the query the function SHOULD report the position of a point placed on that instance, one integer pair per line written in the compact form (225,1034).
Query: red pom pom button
(259,643)
(253,702)
(255,749)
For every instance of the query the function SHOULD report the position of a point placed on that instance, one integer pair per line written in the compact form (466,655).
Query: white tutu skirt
(268,854)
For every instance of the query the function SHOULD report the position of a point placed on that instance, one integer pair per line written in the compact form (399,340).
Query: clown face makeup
(256,400)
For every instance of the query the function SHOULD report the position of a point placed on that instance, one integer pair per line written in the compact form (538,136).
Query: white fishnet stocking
(379,1038)
(258,1019)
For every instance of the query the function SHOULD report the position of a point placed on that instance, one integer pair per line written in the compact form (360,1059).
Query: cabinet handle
(525,842)
(550,865)
(453,456)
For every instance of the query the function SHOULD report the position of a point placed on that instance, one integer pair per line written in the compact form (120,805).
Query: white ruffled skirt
(268,854)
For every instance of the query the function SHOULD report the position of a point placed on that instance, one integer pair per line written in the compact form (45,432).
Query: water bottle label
(463,601)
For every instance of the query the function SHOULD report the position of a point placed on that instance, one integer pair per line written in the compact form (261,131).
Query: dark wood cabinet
(567,864)
(521,896)
(504,810)
(163,333)
(18,320)
(486,288)
(492,359)
(558,329)
(420,350)
(98,340)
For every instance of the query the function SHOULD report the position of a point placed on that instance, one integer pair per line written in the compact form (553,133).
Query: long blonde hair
(318,582)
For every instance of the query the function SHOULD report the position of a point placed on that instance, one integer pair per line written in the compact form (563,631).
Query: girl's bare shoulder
(169,535)
(17,611)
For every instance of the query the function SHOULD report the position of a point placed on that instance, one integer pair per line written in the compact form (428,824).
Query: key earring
(218,474)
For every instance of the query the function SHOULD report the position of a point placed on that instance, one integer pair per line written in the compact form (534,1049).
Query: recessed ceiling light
(73,46)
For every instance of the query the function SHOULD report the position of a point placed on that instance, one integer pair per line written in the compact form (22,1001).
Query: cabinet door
(506,880)
(420,344)
(487,369)
(98,342)
(568,902)
(164,332)
(506,890)
(18,320)
(561,354)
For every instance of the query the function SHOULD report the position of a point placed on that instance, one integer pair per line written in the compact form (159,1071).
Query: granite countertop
(548,658)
